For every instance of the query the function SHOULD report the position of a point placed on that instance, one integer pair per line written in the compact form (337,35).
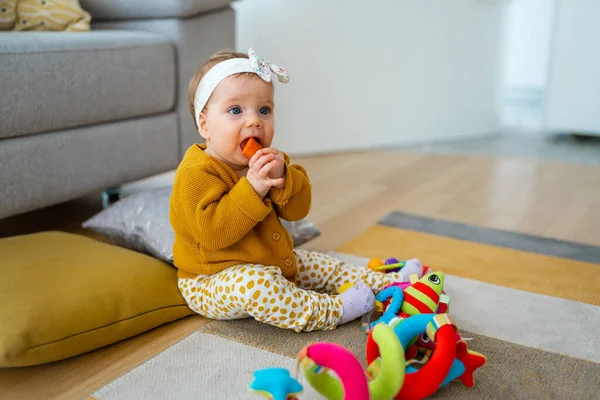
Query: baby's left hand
(277,171)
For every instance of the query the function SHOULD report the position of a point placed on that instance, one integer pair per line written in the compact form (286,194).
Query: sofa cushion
(55,80)
(42,170)
(143,9)
(63,294)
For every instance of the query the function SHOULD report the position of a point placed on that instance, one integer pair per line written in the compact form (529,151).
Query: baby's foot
(412,266)
(357,300)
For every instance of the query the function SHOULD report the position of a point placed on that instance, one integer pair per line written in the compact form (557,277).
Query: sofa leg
(109,196)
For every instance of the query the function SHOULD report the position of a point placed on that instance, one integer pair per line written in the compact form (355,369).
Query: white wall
(373,74)
(529,32)
(573,91)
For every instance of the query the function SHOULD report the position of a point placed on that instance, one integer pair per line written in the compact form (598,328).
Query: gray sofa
(83,112)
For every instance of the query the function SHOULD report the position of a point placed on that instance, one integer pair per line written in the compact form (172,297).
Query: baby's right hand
(258,173)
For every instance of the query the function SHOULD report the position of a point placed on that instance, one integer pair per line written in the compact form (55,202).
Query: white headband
(222,70)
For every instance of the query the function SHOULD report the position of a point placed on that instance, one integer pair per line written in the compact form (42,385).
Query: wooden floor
(350,193)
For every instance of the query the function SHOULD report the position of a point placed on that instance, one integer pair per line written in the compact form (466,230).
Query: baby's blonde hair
(213,60)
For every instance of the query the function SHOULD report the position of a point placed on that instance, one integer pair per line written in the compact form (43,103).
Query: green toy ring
(390,368)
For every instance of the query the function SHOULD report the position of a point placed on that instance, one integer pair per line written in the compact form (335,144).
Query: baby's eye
(265,110)
(235,110)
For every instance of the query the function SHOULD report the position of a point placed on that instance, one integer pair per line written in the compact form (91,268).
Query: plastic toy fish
(465,364)
(423,296)
(402,299)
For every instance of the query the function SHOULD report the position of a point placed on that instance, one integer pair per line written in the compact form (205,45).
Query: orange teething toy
(251,147)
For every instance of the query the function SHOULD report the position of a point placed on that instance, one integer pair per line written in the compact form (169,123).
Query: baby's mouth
(243,144)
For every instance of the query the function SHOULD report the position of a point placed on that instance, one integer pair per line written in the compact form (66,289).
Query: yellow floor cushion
(63,294)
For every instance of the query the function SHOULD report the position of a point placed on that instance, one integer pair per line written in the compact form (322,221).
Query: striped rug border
(495,237)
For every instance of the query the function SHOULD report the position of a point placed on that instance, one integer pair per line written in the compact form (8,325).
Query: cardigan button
(288,262)
(276,236)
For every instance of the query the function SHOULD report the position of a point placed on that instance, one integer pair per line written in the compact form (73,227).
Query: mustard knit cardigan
(219,221)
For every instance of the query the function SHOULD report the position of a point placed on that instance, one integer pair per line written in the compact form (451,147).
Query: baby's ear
(203,127)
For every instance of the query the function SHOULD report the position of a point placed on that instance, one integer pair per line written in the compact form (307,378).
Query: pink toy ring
(345,365)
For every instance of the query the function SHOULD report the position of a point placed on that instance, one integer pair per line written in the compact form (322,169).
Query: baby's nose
(253,120)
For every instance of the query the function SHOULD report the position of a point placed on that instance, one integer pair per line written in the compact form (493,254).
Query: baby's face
(240,107)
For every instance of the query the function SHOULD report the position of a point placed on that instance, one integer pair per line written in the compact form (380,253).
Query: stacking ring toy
(427,380)
(351,382)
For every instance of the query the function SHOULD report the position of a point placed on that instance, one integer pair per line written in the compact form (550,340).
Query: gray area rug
(537,347)
(207,366)
(512,370)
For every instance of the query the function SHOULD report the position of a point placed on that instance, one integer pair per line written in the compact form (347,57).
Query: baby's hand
(279,169)
(260,171)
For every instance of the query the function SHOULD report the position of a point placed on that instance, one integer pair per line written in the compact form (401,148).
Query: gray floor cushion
(141,222)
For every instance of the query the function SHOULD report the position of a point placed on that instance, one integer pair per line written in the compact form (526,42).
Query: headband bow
(253,64)
(265,69)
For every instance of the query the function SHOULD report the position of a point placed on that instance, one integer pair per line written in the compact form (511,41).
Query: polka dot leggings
(263,293)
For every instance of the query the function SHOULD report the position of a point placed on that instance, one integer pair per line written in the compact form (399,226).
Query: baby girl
(234,257)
